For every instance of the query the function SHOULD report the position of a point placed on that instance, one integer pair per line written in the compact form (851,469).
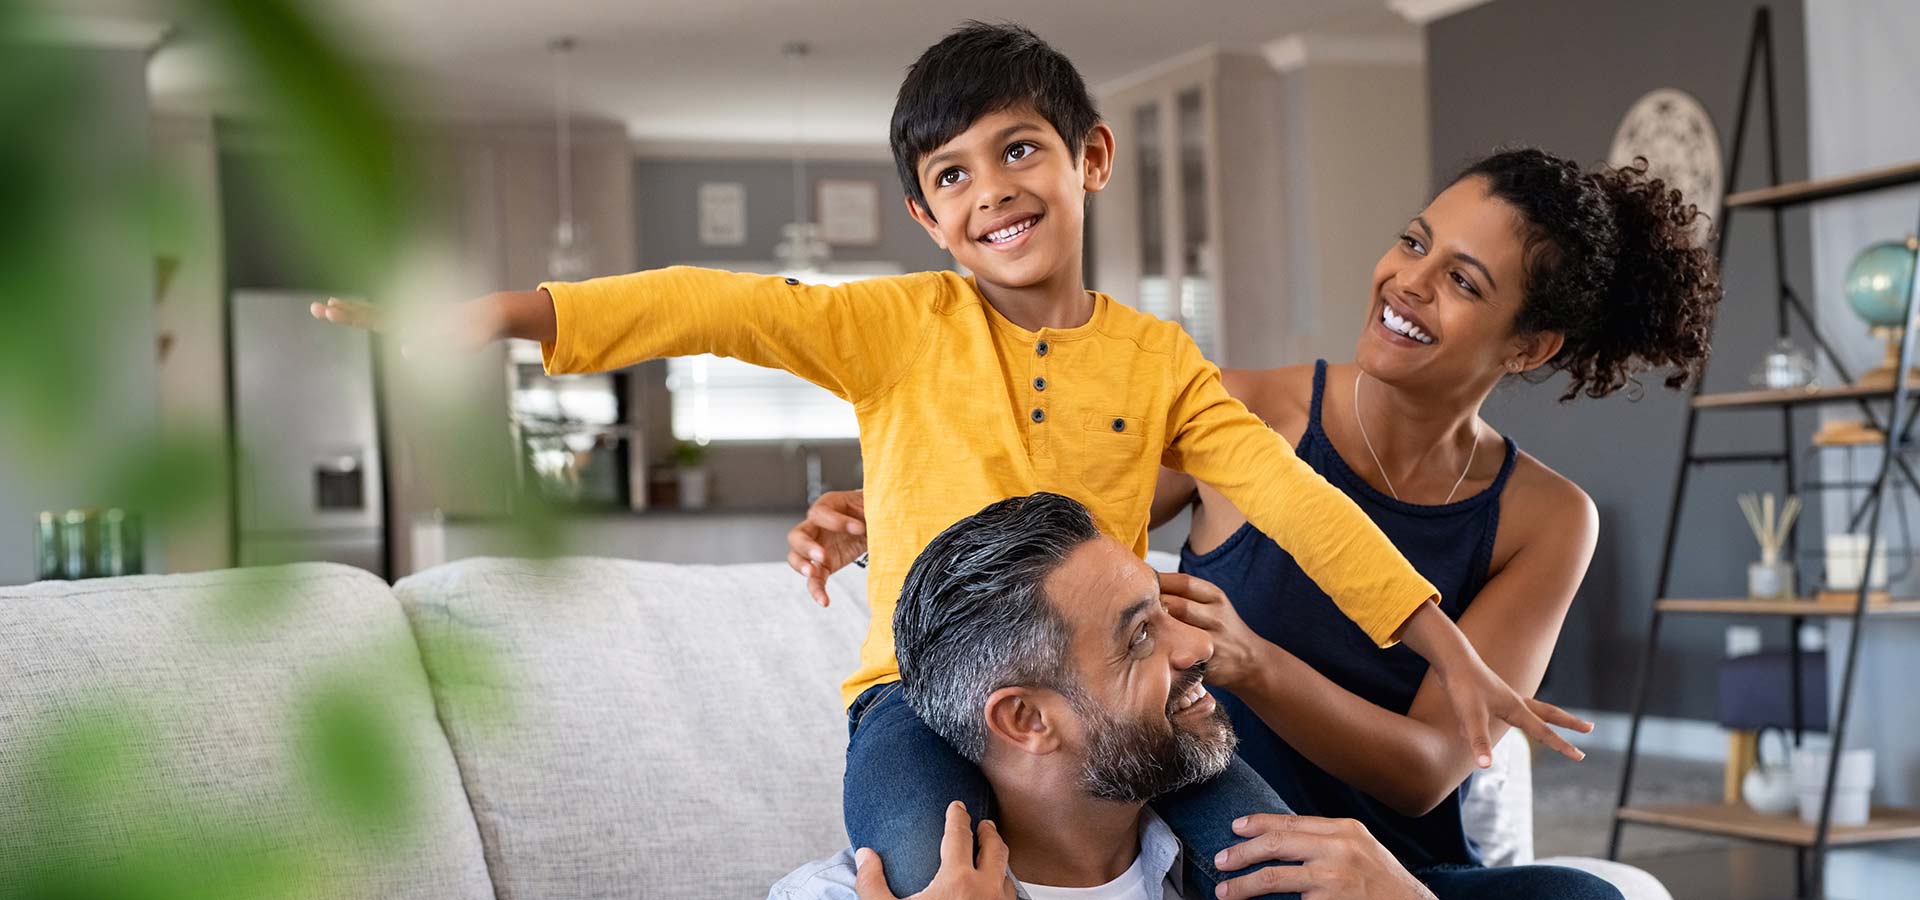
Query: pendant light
(801,252)
(569,257)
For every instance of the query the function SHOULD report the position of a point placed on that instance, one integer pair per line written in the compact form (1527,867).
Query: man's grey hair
(973,615)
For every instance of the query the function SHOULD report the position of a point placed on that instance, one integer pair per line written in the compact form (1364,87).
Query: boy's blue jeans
(901,776)
(1515,883)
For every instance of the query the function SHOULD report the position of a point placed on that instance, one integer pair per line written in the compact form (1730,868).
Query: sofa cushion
(641,729)
(1498,810)
(200,733)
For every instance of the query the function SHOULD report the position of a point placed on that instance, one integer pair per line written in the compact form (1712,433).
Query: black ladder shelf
(1810,842)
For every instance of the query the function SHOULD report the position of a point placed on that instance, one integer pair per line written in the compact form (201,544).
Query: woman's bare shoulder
(1543,501)
(1279,396)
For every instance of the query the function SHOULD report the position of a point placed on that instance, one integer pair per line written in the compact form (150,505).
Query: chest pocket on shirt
(1113,450)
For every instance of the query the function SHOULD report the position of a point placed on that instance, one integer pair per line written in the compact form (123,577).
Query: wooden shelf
(1826,188)
(1741,606)
(1796,397)
(1739,821)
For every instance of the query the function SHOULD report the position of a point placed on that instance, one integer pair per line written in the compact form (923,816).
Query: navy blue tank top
(1452,545)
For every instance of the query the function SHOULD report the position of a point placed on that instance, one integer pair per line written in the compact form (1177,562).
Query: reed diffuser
(1772,577)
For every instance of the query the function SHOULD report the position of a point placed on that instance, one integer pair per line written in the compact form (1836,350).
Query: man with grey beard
(1042,652)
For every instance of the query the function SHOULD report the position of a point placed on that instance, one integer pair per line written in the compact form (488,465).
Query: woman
(1524,264)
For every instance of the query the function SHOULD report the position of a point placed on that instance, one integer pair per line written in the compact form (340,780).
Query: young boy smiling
(1013,380)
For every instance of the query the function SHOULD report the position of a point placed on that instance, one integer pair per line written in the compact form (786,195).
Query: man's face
(1007,198)
(1147,725)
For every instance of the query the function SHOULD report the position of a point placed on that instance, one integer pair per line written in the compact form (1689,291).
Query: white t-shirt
(1132,884)
(1154,875)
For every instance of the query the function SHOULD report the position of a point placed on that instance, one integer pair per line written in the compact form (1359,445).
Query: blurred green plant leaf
(176,477)
(467,673)
(354,754)
(350,193)
(53,166)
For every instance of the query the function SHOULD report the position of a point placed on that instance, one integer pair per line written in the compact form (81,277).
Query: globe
(1878,282)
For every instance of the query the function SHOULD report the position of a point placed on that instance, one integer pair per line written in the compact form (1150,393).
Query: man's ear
(925,218)
(1027,719)
(1535,350)
(1096,158)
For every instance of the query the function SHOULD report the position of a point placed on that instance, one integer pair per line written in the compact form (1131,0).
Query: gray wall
(666,213)
(1560,74)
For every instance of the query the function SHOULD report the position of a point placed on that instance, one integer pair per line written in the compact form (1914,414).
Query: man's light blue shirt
(832,878)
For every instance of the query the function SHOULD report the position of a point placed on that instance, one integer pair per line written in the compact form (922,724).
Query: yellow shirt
(959,407)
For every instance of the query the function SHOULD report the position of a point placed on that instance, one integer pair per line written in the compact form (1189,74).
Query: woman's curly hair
(1613,264)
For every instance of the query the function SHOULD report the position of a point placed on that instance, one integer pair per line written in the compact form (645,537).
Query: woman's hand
(833,534)
(1338,860)
(1236,649)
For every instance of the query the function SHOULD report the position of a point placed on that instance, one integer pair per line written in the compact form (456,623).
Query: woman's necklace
(1362,421)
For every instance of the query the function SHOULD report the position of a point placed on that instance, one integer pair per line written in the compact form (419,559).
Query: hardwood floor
(1573,805)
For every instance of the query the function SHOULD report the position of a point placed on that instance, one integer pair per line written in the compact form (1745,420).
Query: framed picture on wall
(723,214)
(848,211)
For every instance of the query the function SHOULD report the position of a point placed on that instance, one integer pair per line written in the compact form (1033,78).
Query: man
(1041,650)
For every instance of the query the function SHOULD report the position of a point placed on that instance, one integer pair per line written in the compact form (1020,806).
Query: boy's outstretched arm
(1214,438)
(853,339)
(460,326)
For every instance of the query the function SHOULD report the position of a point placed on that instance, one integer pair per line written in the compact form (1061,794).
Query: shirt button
(1119,424)
(793,281)
(1040,348)
(1039,415)
(1039,384)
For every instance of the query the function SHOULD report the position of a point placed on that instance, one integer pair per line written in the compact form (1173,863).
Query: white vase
(1768,789)
(693,487)
(1847,563)
(1852,784)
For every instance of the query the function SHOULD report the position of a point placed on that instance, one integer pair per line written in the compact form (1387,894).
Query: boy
(1014,380)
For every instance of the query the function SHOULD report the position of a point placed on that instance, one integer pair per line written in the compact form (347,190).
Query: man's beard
(1137,761)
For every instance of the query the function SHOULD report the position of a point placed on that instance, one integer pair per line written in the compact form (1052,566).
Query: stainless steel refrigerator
(306,432)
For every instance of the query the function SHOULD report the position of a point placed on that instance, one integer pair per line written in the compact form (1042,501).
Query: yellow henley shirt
(959,407)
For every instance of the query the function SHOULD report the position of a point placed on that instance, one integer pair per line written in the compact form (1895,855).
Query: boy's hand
(833,534)
(1479,695)
(458,327)
(959,878)
(1236,648)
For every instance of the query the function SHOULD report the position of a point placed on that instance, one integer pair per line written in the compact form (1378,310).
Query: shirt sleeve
(1214,438)
(854,339)
(825,879)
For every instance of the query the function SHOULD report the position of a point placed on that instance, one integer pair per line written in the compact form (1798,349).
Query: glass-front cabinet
(1173,262)
(1192,227)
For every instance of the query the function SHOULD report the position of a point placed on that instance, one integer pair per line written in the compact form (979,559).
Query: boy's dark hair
(974,617)
(975,71)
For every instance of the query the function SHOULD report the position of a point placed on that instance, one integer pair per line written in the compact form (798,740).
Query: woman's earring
(1513,365)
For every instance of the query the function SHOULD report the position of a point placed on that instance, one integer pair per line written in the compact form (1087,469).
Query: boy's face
(1008,198)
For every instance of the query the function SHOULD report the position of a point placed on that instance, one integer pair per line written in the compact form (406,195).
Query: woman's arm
(1411,762)
(1172,494)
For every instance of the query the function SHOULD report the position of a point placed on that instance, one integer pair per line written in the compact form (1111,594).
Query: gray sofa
(490,728)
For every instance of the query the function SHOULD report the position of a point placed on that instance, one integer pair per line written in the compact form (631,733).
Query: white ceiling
(712,70)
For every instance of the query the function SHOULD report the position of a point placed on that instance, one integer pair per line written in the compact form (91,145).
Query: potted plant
(690,459)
